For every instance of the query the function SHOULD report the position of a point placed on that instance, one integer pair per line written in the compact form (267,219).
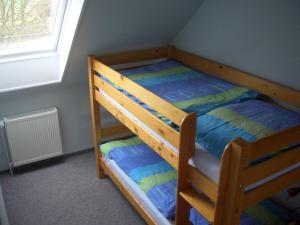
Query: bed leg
(234,163)
(186,151)
(96,121)
(100,171)
(182,211)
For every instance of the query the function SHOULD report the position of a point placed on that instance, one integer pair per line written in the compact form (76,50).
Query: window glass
(29,25)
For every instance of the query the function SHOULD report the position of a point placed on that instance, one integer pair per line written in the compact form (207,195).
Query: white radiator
(33,137)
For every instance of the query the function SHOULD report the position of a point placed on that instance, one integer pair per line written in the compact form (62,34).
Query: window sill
(32,70)
(27,56)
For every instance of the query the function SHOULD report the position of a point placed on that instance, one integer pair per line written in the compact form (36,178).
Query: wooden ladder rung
(199,202)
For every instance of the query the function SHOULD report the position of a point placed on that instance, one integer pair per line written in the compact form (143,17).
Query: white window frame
(24,53)
(39,69)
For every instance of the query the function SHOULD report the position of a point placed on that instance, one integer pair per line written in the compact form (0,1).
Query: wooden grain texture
(133,56)
(229,195)
(273,165)
(155,102)
(235,76)
(160,148)
(275,142)
(186,151)
(270,188)
(235,162)
(113,130)
(148,118)
(200,202)
(203,183)
(131,198)
(95,112)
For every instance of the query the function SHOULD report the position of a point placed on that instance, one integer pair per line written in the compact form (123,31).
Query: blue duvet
(250,120)
(189,90)
(263,213)
(155,177)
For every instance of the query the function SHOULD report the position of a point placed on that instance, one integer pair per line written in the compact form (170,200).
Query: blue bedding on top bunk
(189,90)
(250,120)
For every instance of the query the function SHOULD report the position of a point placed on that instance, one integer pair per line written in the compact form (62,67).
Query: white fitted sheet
(204,161)
(209,165)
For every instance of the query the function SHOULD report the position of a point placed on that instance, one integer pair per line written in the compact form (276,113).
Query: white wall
(258,36)
(106,26)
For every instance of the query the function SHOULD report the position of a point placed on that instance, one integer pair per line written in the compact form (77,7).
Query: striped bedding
(157,179)
(189,90)
(225,111)
(250,120)
(266,212)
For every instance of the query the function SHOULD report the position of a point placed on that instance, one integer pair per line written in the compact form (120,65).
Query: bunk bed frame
(220,204)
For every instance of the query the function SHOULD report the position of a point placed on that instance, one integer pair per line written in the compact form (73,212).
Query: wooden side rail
(152,121)
(165,108)
(133,56)
(113,130)
(275,142)
(273,165)
(163,150)
(270,188)
(235,76)
(237,174)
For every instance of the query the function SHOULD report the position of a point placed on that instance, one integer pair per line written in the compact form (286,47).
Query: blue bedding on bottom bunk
(158,181)
(266,212)
(155,177)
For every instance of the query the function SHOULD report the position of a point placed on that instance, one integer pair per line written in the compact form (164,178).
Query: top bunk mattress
(224,111)
(188,89)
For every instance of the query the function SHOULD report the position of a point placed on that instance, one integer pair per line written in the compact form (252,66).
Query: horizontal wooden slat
(268,88)
(113,130)
(275,142)
(273,165)
(200,203)
(128,194)
(160,105)
(164,151)
(208,187)
(160,127)
(270,188)
(132,56)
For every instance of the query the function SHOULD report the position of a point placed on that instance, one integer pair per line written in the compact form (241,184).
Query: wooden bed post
(234,164)
(186,151)
(96,121)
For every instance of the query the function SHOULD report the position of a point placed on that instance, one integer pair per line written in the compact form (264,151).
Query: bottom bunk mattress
(153,182)
(138,193)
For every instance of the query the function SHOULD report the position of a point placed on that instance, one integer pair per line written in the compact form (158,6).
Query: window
(36,37)
(30,26)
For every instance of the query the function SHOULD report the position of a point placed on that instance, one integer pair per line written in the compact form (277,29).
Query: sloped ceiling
(115,25)
(105,26)
(119,24)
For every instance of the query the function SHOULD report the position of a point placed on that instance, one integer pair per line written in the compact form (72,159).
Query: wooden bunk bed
(228,198)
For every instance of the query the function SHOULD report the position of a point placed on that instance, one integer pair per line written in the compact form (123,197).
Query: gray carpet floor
(66,193)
